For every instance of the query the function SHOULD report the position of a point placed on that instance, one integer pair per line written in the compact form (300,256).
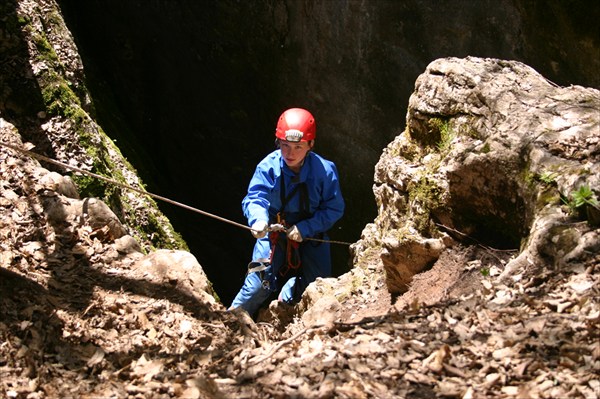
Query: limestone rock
(491,153)
(177,268)
(59,183)
(323,313)
(99,215)
(60,209)
(127,245)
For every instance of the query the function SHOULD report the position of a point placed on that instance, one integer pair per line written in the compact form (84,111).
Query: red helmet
(296,124)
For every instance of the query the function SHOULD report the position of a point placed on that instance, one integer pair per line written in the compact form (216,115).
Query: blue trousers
(315,261)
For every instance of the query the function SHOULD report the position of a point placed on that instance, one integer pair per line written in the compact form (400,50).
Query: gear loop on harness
(260,266)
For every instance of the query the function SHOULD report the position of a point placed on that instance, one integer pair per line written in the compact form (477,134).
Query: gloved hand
(277,227)
(294,234)
(259,229)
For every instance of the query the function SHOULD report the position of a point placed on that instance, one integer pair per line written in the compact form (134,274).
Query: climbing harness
(292,260)
(140,191)
(292,249)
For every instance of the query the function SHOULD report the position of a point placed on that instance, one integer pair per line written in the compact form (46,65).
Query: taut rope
(137,190)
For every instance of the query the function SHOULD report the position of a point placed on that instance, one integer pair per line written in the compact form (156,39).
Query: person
(293,199)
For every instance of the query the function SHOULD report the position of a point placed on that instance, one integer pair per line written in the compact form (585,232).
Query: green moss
(54,18)
(548,196)
(12,21)
(405,149)
(425,192)
(547,191)
(13,24)
(467,130)
(61,101)
(89,186)
(440,131)
(486,148)
(529,177)
(411,153)
(163,238)
(424,197)
(214,293)
(45,50)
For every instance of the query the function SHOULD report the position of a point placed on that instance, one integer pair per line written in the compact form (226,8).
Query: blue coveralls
(263,202)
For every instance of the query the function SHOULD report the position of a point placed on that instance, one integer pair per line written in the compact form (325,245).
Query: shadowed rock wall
(192,90)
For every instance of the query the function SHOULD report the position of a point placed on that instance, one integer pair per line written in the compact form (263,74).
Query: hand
(259,229)
(277,227)
(294,234)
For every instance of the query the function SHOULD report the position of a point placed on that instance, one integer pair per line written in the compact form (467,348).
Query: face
(294,153)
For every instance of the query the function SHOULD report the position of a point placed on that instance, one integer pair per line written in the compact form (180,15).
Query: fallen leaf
(147,369)
(437,359)
(96,358)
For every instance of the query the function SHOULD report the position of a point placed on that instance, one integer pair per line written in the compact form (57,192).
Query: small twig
(281,344)
(221,326)
(116,373)
(365,320)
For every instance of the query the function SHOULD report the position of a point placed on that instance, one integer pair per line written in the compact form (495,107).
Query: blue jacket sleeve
(255,204)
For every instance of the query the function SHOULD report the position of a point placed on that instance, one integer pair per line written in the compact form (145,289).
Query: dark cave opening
(194,111)
(491,212)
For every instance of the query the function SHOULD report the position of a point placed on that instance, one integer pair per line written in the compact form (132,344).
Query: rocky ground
(79,318)
(76,320)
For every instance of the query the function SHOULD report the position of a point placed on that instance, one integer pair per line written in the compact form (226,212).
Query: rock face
(48,197)
(45,98)
(453,121)
(493,155)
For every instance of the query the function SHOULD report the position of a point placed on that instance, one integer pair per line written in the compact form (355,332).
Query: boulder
(127,245)
(98,215)
(56,182)
(60,209)
(179,269)
(494,155)
(323,313)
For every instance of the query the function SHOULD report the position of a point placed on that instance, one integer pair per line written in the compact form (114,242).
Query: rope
(139,191)
(116,183)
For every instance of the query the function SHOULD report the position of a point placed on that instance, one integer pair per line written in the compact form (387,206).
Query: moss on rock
(82,142)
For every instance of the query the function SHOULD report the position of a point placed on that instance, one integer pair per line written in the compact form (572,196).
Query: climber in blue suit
(293,196)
